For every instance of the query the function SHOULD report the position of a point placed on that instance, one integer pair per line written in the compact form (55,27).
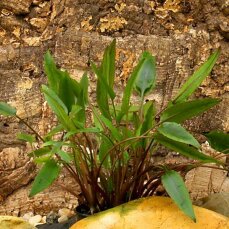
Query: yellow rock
(11,222)
(152,213)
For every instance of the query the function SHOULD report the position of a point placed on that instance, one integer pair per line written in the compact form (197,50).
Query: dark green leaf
(197,78)
(7,110)
(184,149)
(84,91)
(219,141)
(177,133)
(146,76)
(26,137)
(186,110)
(102,92)
(66,94)
(48,173)
(175,187)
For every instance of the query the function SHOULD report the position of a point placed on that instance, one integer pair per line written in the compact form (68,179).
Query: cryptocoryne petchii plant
(110,157)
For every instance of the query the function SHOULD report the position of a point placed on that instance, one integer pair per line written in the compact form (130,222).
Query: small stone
(34,220)
(65,212)
(27,216)
(16,213)
(51,218)
(62,219)
(43,220)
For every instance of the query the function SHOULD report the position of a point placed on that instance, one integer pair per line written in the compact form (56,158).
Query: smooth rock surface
(34,220)
(11,222)
(151,213)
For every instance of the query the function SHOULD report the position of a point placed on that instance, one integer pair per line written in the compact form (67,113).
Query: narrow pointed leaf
(7,110)
(128,90)
(177,133)
(108,63)
(114,131)
(48,173)
(84,92)
(186,110)
(102,98)
(175,187)
(218,140)
(103,80)
(105,146)
(197,78)
(52,72)
(184,149)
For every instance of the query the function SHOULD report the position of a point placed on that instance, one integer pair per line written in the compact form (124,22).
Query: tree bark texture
(181,34)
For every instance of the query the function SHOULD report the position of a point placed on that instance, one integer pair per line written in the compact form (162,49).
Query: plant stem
(31,128)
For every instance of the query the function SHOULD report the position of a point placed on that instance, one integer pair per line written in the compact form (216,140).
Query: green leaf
(108,63)
(26,137)
(40,152)
(177,133)
(105,146)
(83,130)
(102,95)
(175,187)
(184,149)
(65,93)
(50,143)
(84,90)
(64,156)
(7,110)
(149,117)
(186,110)
(48,173)
(218,140)
(54,131)
(146,76)
(103,80)
(197,78)
(58,107)
(114,131)
(128,90)
(67,89)
(42,159)
(53,74)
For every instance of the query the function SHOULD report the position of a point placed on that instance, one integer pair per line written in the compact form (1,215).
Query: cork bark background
(180,33)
